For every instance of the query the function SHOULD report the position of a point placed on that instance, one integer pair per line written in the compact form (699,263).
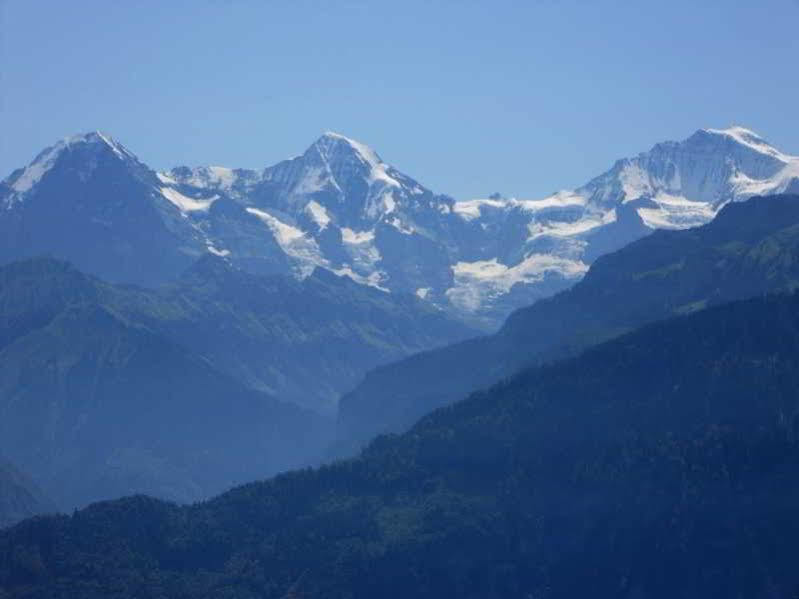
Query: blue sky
(467,97)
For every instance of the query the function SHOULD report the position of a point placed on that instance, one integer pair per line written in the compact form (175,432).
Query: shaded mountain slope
(20,498)
(304,341)
(96,405)
(749,249)
(89,200)
(660,464)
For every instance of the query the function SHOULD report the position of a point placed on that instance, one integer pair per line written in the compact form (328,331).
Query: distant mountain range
(338,206)
(661,464)
(260,297)
(750,248)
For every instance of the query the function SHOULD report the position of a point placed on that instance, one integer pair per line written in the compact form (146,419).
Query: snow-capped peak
(750,139)
(340,206)
(33,173)
(98,139)
(334,148)
(330,138)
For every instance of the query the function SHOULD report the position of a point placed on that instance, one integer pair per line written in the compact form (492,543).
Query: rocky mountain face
(750,248)
(338,206)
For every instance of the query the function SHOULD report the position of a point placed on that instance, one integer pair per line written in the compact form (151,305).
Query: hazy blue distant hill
(108,389)
(96,404)
(20,498)
(749,249)
(660,464)
(304,341)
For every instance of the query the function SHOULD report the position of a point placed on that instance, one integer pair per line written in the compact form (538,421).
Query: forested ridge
(750,248)
(659,464)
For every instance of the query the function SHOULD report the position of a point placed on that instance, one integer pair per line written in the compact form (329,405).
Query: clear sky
(467,97)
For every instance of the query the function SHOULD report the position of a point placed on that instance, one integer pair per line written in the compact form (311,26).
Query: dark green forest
(661,464)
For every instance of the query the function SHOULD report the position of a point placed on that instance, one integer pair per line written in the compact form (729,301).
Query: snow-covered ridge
(674,185)
(378,170)
(747,137)
(338,170)
(308,194)
(42,164)
(686,183)
(34,172)
(219,177)
(473,209)
(339,206)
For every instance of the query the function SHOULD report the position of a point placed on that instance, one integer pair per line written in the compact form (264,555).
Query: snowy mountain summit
(338,206)
(89,145)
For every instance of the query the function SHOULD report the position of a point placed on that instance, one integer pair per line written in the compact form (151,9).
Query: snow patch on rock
(478,282)
(185,203)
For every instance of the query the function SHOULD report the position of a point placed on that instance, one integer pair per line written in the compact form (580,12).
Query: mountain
(97,404)
(20,498)
(340,207)
(80,358)
(89,200)
(660,464)
(304,341)
(750,248)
